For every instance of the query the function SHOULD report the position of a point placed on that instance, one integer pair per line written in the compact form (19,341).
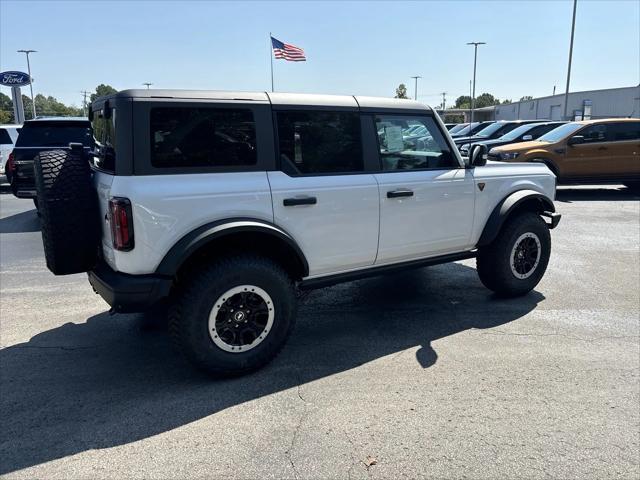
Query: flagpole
(271,58)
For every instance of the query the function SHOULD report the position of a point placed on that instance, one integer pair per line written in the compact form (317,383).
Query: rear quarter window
(202,137)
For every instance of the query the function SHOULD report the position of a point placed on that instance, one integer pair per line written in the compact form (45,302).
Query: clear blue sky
(352,47)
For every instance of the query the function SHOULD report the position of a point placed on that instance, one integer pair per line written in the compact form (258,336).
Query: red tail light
(11,166)
(121,220)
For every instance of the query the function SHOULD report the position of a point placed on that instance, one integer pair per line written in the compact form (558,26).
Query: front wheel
(514,263)
(234,316)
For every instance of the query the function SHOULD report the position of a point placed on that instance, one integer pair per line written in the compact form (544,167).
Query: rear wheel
(514,263)
(234,316)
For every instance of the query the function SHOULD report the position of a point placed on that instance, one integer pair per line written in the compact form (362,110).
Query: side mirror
(576,140)
(526,138)
(477,157)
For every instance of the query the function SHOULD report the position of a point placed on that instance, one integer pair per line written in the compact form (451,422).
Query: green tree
(524,99)
(506,101)
(486,100)
(463,101)
(6,109)
(49,107)
(103,90)
(401,91)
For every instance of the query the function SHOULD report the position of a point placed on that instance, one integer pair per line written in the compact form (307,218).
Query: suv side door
(324,195)
(588,159)
(427,197)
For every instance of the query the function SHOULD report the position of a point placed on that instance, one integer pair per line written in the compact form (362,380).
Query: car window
(619,132)
(539,130)
(412,142)
(5,138)
(594,133)
(314,142)
(58,133)
(202,137)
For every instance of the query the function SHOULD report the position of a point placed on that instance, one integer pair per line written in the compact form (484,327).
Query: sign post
(18,107)
(15,80)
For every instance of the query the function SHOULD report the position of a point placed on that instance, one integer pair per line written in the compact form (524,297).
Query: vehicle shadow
(107,382)
(22,222)
(595,194)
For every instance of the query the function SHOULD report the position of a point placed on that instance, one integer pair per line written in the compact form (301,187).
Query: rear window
(202,137)
(58,133)
(624,131)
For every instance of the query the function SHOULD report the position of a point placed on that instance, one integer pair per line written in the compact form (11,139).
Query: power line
(84,101)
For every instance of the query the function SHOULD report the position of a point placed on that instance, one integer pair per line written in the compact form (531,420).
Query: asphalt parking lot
(421,374)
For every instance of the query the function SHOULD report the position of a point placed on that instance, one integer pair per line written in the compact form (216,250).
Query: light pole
(147,84)
(573,28)
(415,92)
(33,103)
(475,59)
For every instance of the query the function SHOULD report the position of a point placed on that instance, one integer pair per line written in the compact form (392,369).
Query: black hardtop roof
(274,98)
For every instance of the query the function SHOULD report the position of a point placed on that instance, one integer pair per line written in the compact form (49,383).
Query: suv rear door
(426,196)
(323,195)
(624,149)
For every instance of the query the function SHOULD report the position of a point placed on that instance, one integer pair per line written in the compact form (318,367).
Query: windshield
(516,132)
(462,132)
(54,134)
(490,130)
(559,133)
(457,128)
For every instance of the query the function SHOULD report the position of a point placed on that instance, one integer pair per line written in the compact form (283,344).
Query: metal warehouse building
(610,102)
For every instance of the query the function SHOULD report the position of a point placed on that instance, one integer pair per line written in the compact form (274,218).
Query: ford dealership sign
(14,79)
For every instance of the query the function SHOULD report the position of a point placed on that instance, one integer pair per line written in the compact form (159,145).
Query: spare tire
(69,212)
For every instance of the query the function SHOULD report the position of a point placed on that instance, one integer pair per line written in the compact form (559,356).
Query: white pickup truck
(221,206)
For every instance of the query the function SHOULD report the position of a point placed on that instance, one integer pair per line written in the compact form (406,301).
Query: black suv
(44,134)
(471,129)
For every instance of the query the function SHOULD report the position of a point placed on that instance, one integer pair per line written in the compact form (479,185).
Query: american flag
(287,51)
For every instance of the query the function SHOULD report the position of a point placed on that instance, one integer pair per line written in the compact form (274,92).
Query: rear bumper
(128,293)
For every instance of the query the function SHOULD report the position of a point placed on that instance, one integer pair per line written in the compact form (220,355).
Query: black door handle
(292,202)
(399,193)
(602,148)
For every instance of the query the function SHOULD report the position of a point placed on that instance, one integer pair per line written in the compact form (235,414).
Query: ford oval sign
(14,79)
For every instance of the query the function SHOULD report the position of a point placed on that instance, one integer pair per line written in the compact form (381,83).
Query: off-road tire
(494,261)
(68,210)
(189,317)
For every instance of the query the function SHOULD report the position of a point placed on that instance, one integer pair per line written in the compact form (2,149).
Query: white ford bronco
(221,206)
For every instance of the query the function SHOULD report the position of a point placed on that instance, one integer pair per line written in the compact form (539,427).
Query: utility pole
(33,103)
(443,100)
(84,101)
(554,89)
(573,28)
(415,93)
(147,84)
(475,61)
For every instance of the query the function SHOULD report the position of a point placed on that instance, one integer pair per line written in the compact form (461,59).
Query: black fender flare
(540,203)
(209,232)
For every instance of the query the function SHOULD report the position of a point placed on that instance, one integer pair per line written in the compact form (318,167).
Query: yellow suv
(591,151)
